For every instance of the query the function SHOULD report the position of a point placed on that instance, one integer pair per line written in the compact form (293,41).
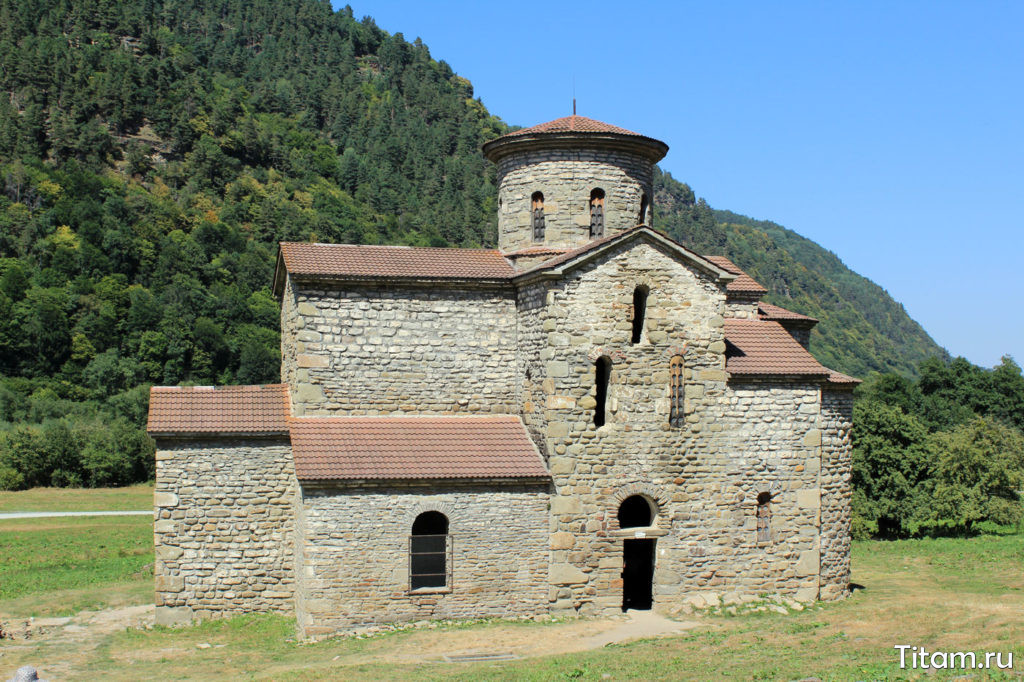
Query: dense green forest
(943,453)
(153,153)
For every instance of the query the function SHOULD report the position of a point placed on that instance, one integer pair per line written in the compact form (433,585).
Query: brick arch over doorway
(428,506)
(654,495)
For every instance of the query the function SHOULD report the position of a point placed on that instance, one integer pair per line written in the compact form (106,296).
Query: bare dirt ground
(61,645)
(77,635)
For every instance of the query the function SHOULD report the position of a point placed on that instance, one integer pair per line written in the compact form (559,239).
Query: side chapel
(587,419)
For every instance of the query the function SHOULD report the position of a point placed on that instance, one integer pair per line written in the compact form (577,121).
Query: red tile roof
(743,284)
(766,348)
(573,124)
(336,448)
(842,379)
(226,409)
(598,243)
(356,261)
(536,251)
(767,311)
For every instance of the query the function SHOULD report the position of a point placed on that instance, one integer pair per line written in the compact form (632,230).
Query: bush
(11,479)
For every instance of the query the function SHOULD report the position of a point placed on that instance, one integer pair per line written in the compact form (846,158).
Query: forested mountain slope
(862,329)
(152,154)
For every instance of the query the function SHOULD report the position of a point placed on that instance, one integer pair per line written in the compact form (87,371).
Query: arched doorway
(637,511)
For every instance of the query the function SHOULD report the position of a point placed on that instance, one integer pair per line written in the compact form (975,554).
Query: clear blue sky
(890,133)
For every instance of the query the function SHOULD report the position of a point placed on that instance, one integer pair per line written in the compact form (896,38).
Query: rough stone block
(808,498)
(562,540)
(560,402)
(306,360)
(806,594)
(809,563)
(169,583)
(165,499)
(558,430)
(564,504)
(173,615)
(558,368)
(813,438)
(309,393)
(307,309)
(561,465)
(168,552)
(566,574)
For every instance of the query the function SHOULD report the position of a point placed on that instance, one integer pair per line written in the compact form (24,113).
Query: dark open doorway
(637,574)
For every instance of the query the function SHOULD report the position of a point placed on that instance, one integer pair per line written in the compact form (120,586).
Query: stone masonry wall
(224,521)
(837,418)
(566,178)
(356,554)
(703,477)
(383,350)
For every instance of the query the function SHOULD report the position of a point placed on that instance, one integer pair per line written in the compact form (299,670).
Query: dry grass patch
(955,594)
(129,498)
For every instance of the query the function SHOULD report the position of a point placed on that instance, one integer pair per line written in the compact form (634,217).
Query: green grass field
(58,566)
(947,594)
(131,498)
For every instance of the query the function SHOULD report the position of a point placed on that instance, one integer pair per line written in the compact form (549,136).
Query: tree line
(940,454)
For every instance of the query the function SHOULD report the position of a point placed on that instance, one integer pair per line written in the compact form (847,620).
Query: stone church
(587,419)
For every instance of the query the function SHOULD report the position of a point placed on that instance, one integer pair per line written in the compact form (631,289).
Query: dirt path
(67,642)
(74,637)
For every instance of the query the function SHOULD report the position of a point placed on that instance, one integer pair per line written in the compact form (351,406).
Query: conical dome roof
(576,131)
(574,124)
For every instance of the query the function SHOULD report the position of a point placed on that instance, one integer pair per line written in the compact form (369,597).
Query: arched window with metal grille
(430,552)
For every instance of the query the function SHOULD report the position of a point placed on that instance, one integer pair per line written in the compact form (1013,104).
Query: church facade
(589,418)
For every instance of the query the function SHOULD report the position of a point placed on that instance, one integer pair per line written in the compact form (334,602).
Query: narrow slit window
(639,311)
(645,207)
(675,372)
(537,208)
(597,213)
(602,373)
(764,517)
(429,550)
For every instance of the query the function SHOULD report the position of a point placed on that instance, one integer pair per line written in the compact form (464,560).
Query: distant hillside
(152,154)
(861,330)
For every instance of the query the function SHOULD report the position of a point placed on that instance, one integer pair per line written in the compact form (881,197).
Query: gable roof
(361,262)
(743,284)
(583,254)
(765,348)
(345,448)
(409,263)
(190,410)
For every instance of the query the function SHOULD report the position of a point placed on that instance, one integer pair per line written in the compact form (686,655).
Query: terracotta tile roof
(842,379)
(337,448)
(225,409)
(573,124)
(767,311)
(357,261)
(536,251)
(598,243)
(568,255)
(766,348)
(743,284)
